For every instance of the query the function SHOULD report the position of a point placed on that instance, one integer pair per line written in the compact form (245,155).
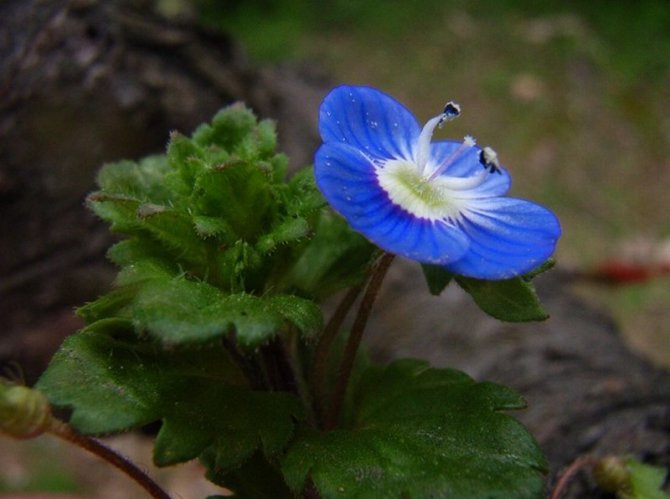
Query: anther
(451,111)
(489,160)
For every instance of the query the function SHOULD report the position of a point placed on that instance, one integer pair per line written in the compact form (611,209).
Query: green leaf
(421,432)
(136,249)
(256,478)
(110,305)
(512,300)
(120,384)
(301,196)
(646,481)
(143,181)
(265,138)
(239,193)
(437,278)
(540,269)
(173,229)
(197,393)
(144,270)
(185,157)
(118,210)
(287,231)
(303,314)
(230,127)
(335,258)
(230,422)
(179,310)
(114,327)
(214,226)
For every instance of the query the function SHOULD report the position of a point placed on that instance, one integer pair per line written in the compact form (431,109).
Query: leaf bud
(24,412)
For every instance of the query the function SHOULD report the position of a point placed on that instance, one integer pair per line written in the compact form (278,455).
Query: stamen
(424,142)
(489,160)
(468,142)
(450,112)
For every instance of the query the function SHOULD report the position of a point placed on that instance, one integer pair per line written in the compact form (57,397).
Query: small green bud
(613,475)
(24,412)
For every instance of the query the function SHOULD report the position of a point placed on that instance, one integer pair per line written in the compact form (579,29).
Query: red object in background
(618,272)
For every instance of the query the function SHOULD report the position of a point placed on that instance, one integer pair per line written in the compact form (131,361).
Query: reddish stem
(569,473)
(64,431)
(354,340)
(320,364)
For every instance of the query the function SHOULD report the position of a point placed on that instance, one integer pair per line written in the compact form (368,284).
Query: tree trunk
(85,82)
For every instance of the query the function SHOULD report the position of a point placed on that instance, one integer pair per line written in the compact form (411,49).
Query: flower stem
(353,342)
(64,431)
(292,346)
(320,363)
(569,473)
(280,375)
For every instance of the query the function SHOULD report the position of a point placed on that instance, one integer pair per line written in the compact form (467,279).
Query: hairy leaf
(179,310)
(286,231)
(143,181)
(239,193)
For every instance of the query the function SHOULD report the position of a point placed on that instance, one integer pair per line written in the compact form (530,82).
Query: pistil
(451,111)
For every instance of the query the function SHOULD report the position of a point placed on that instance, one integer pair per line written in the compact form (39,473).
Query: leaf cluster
(218,242)
(221,253)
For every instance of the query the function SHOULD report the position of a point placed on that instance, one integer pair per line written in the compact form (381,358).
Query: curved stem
(355,337)
(64,431)
(569,473)
(320,363)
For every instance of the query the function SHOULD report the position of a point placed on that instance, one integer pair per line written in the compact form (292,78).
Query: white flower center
(429,195)
(412,191)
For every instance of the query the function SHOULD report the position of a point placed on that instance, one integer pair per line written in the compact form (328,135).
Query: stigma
(451,111)
(488,158)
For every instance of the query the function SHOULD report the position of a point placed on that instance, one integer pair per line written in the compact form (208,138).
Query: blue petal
(496,184)
(369,120)
(348,181)
(508,237)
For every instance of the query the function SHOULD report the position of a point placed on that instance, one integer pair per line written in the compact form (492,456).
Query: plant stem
(64,431)
(292,346)
(569,473)
(353,342)
(320,363)
(280,375)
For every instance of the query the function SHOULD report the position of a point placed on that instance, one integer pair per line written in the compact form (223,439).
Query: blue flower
(437,202)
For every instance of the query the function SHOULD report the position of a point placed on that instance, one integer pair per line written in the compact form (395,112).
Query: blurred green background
(574,96)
